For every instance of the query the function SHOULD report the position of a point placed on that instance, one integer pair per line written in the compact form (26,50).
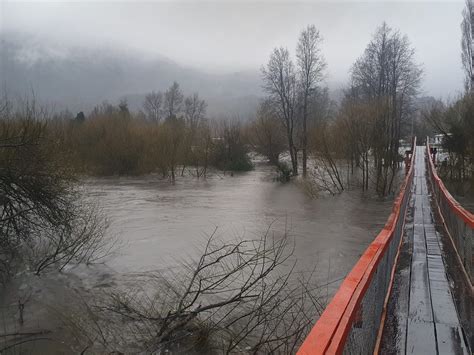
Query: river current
(161,224)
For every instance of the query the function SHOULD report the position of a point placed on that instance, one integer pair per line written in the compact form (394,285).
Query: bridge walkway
(422,316)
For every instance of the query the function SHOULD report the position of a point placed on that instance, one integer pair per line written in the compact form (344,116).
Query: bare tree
(79,238)
(388,74)
(41,218)
(238,296)
(327,148)
(104,109)
(173,101)
(266,134)
(194,114)
(321,107)
(230,150)
(123,109)
(466,44)
(153,106)
(5,105)
(311,66)
(194,110)
(202,149)
(280,83)
(32,187)
(357,120)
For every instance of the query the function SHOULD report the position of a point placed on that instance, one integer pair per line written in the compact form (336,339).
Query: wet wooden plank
(444,310)
(418,217)
(425,200)
(419,274)
(430,229)
(443,306)
(418,231)
(425,189)
(418,204)
(450,339)
(421,338)
(427,219)
(439,277)
(419,250)
(432,244)
(418,190)
(419,243)
(436,268)
(420,304)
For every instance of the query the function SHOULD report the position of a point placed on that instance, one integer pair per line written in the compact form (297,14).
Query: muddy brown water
(163,223)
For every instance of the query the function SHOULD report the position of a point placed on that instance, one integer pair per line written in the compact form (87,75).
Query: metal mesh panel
(365,326)
(351,322)
(461,232)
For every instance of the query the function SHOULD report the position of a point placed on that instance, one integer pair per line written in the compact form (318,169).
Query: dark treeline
(171,136)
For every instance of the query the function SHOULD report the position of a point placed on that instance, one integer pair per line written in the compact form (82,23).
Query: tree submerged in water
(44,222)
(237,297)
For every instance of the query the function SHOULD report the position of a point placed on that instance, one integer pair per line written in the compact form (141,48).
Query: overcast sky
(239,35)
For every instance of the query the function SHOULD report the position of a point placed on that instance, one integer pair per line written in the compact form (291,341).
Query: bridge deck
(422,314)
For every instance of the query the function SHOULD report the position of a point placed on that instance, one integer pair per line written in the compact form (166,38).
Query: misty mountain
(79,78)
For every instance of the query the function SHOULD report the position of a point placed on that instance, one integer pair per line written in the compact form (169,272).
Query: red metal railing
(352,320)
(458,221)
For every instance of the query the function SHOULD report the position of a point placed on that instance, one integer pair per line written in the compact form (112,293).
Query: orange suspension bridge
(411,292)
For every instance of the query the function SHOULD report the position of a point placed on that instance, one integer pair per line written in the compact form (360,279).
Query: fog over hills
(79,78)
(78,53)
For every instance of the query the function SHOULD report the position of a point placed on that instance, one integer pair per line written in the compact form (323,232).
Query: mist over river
(162,223)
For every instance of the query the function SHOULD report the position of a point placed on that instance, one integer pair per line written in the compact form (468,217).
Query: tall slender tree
(173,103)
(153,106)
(311,66)
(280,83)
(194,110)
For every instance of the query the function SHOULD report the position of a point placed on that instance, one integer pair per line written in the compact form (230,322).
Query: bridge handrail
(467,216)
(458,221)
(332,330)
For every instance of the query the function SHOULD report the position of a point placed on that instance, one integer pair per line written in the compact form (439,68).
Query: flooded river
(162,223)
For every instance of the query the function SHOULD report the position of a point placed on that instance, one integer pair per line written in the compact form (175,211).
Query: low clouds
(231,36)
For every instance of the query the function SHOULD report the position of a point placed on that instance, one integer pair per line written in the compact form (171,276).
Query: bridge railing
(351,322)
(458,221)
